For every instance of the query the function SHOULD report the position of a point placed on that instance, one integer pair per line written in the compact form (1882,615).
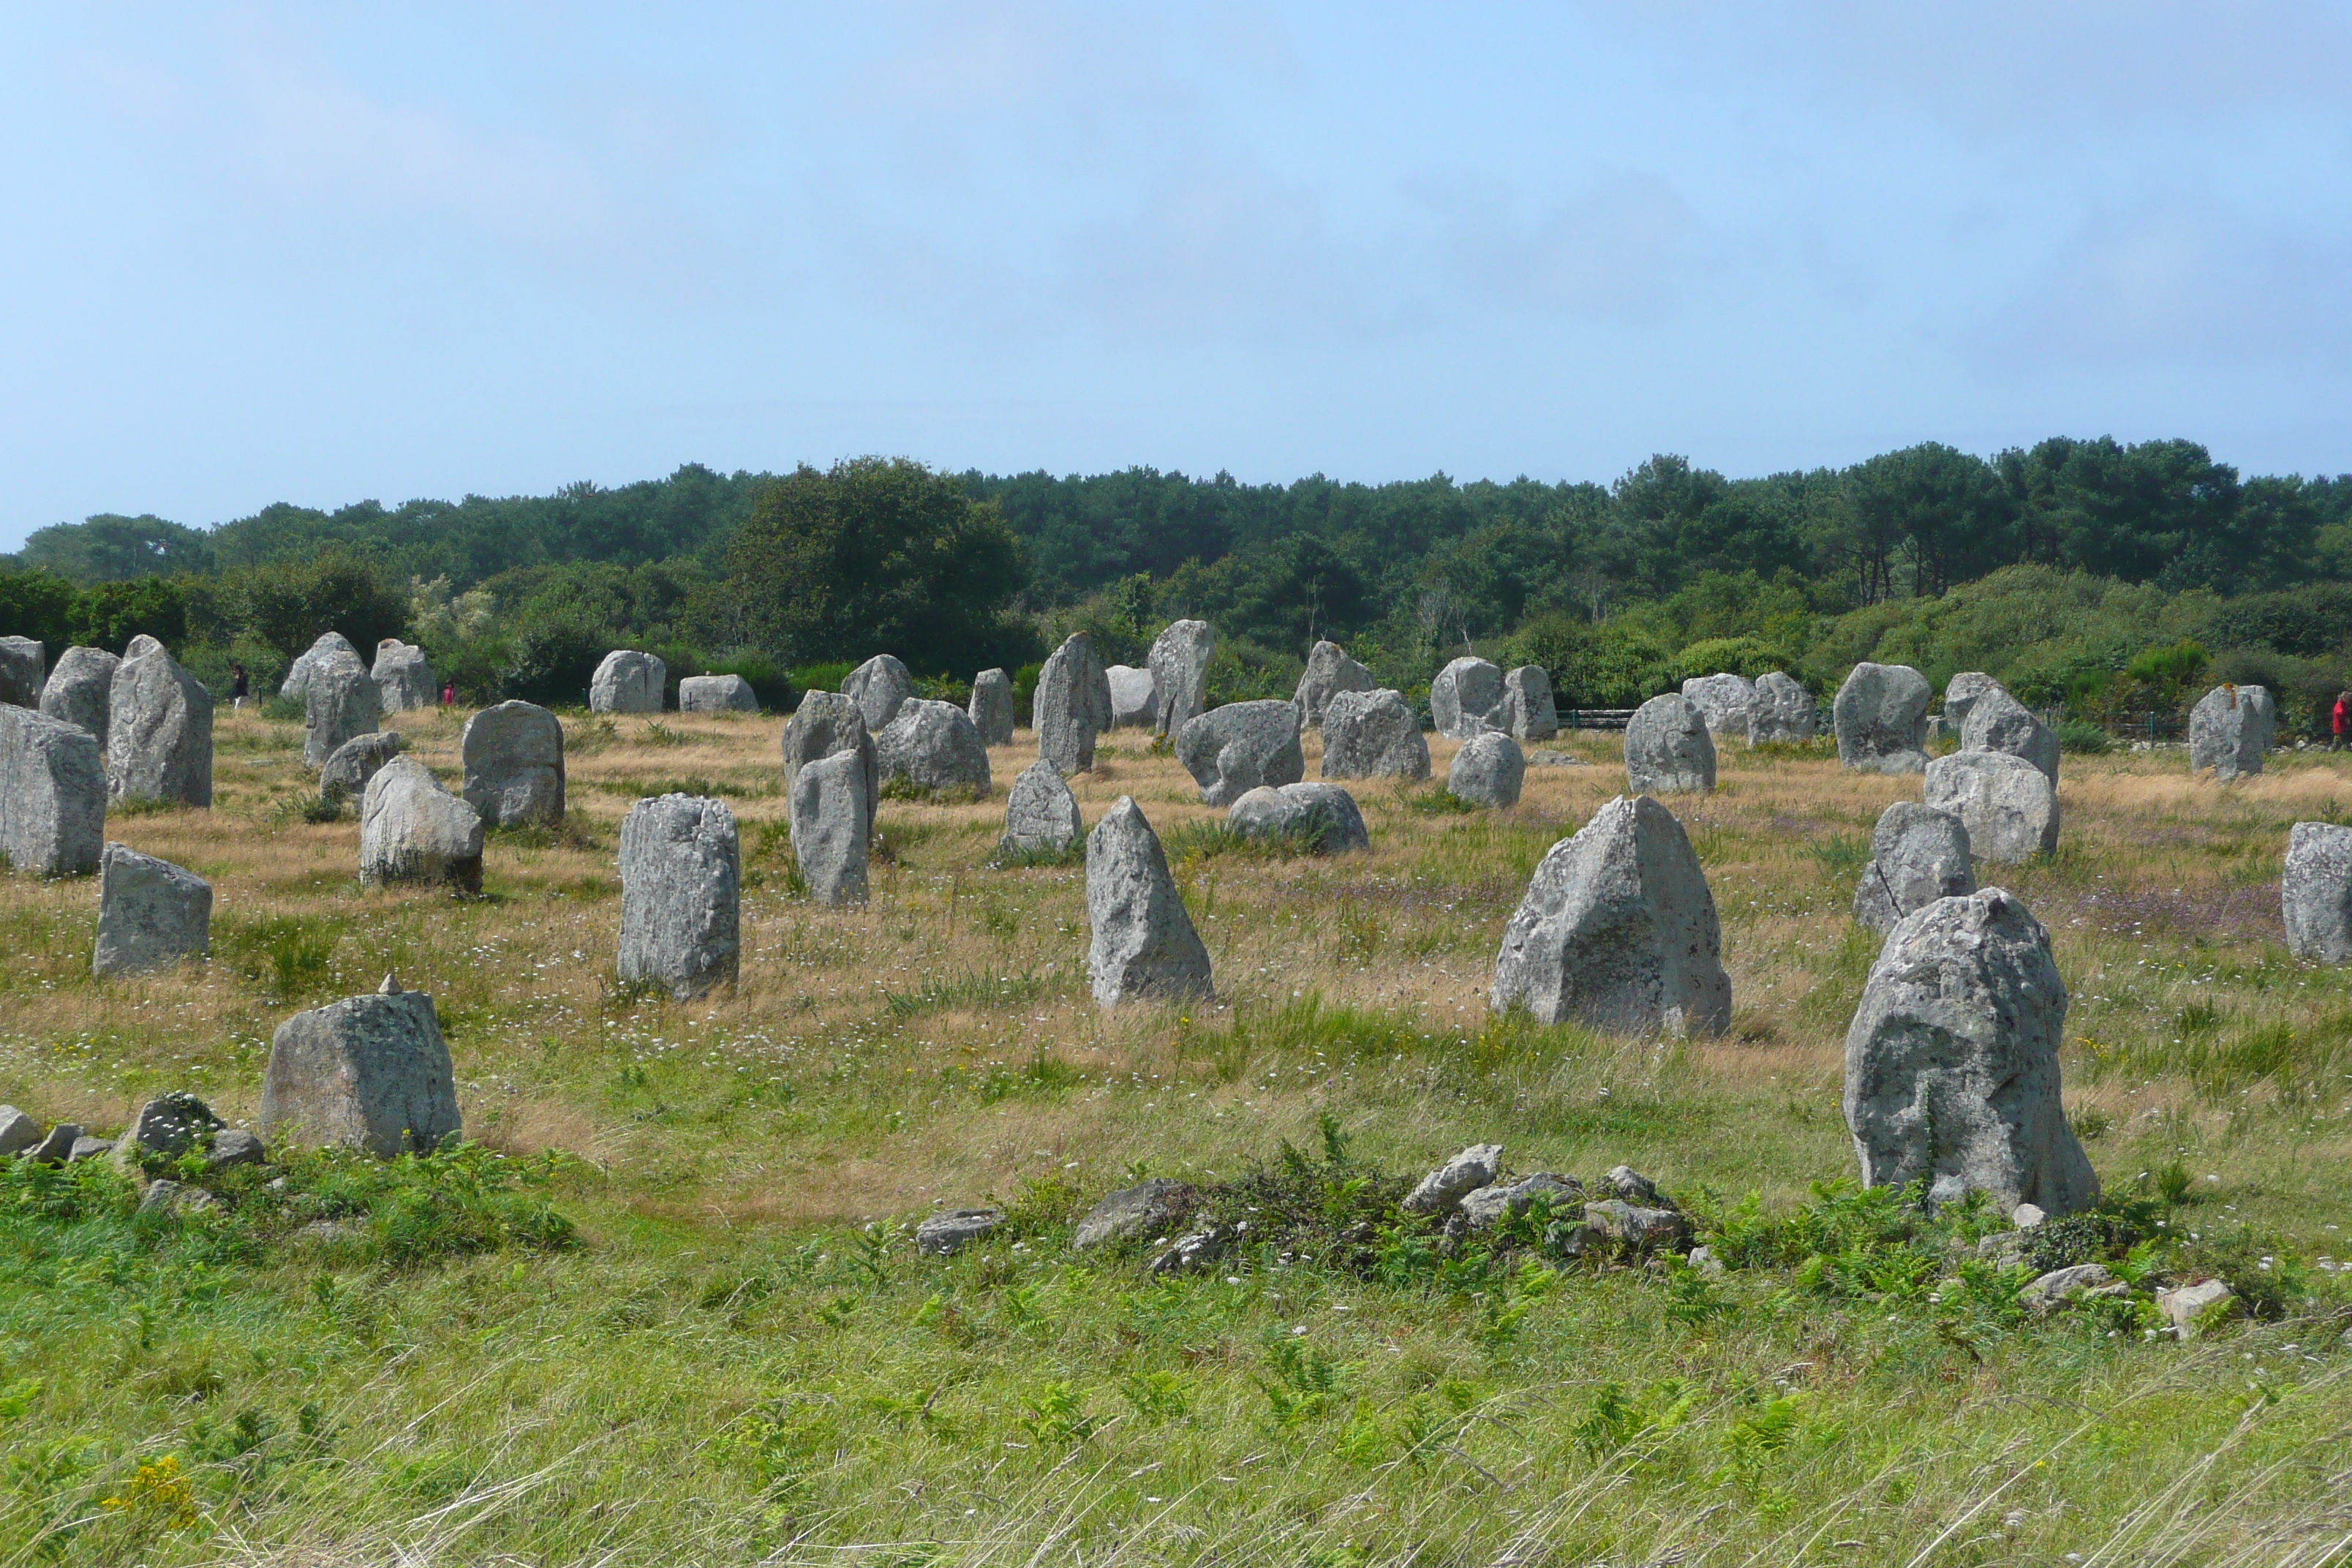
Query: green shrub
(826,677)
(2081,736)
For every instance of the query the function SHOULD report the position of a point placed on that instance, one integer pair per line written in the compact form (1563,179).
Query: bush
(768,681)
(821,677)
(2081,736)
(1750,656)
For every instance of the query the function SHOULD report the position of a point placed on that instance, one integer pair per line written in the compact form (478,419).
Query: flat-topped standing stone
(2010,807)
(933,746)
(1667,748)
(1041,816)
(830,800)
(1134,702)
(52,795)
(80,689)
(1180,674)
(877,686)
(1528,714)
(151,913)
(1231,750)
(990,711)
(1330,671)
(513,758)
(1996,722)
(1918,853)
(828,724)
(1881,715)
(1488,771)
(412,830)
(2316,892)
(1783,711)
(159,729)
(1373,735)
(1618,929)
(368,1072)
(1322,818)
(1072,704)
(1726,702)
(1951,1062)
(297,684)
(628,682)
(1465,697)
(2229,731)
(404,680)
(680,881)
(1961,694)
(23,662)
(1144,946)
(338,701)
(716,694)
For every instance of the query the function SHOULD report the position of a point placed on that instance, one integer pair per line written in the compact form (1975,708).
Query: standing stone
(297,684)
(52,795)
(18,1132)
(1726,702)
(1320,817)
(2010,807)
(22,661)
(1041,816)
(1881,717)
(159,729)
(1528,714)
(828,724)
(992,707)
(1951,1063)
(2229,731)
(628,682)
(1373,735)
(339,700)
(1072,703)
(513,758)
(1231,750)
(1180,674)
(1330,671)
(1996,722)
(1144,946)
(1134,701)
(1667,748)
(151,913)
(716,694)
(1918,855)
(831,803)
(1465,697)
(356,761)
(368,1072)
(403,681)
(166,1127)
(879,687)
(80,689)
(2316,892)
(1488,771)
(933,746)
(412,830)
(1961,694)
(1783,711)
(1617,931)
(680,876)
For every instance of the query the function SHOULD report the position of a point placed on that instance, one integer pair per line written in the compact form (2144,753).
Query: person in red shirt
(449,695)
(2343,721)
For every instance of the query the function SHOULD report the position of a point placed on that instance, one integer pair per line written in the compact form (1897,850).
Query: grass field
(735,1354)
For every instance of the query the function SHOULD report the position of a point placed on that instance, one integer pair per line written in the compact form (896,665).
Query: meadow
(733,1353)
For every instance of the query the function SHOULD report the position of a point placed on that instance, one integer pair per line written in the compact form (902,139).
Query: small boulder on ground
(151,913)
(990,711)
(1233,750)
(1783,711)
(681,875)
(1040,815)
(1321,817)
(166,1127)
(717,694)
(1918,853)
(1143,946)
(58,1146)
(235,1146)
(1147,1210)
(933,746)
(1881,717)
(1996,722)
(513,758)
(832,823)
(368,1072)
(356,761)
(879,687)
(18,1132)
(1726,702)
(2189,1310)
(1466,698)
(1443,1190)
(2316,892)
(89,1148)
(1179,662)
(80,689)
(2045,1293)
(1373,735)
(2009,805)
(159,729)
(23,666)
(325,648)
(1635,1227)
(1482,1208)
(1071,705)
(828,724)
(1134,705)
(942,1235)
(403,678)
(1488,771)
(2229,729)
(628,682)
(1528,714)
(1330,671)
(1667,748)
(52,795)
(412,830)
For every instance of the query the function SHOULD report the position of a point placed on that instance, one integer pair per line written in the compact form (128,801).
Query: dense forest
(2107,578)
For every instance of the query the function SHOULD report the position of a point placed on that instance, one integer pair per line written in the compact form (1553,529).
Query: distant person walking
(2343,721)
(449,694)
(240,688)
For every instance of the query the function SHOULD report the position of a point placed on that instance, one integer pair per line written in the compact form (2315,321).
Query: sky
(327,252)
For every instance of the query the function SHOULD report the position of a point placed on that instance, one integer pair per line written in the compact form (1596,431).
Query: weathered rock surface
(23,663)
(717,694)
(338,701)
(1233,750)
(628,682)
(830,800)
(513,758)
(1783,711)
(1373,735)
(681,875)
(1040,815)
(1726,702)
(1951,1062)
(2009,805)
(1488,771)
(403,677)
(1528,713)
(1143,947)
(933,746)
(58,1146)
(1134,703)
(1482,1208)
(1918,853)
(2045,1293)
(1667,748)
(1466,698)
(356,761)
(297,684)
(992,706)
(1544,757)
(1881,717)
(159,729)
(1618,929)
(1149,1209)
(235,1146)
(1634,1227)
(166,1127)
(412,830)
(2316,892)
(89,1148)
(80,689)
(879,687)
(1180,674)
(1996,722)
(368,1072)
(828,724)
(944,1233)
(2229,731)
(1072,704)
(52,795)
(151,913)
(1443,1190)
(1321,815)
(1330,671)
(2191,1309)
(1960,693)
(18,1132)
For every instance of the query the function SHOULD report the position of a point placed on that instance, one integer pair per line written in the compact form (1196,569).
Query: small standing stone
(1488,771)
(1144,946)
(1783,711)
(1321,816)
(1996,722)
(159,729)
(297,684)
(1465,697)
(368,1072)
(23,662)
(1072,704)
(2229,731)
(1667,748)
(1330,671)
(628,682)
(717,694)
(339,700)
(80,689)
(828,724)
(412,830)
(2316,892)
(513,758)
(1041,816)
(2010,807)
(52,795)
(1373,735)
(879,687)
(1918,855)
(167,1126)
(680,881)
(1881,715)
(1134,704)
(1528,714)
(1231,750)
(1726,702)
(403,678)
(151,913)
(356,761)
(934,746)
(830,822)
(992,706)
(1180,674)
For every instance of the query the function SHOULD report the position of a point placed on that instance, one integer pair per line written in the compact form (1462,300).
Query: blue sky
(325,252)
